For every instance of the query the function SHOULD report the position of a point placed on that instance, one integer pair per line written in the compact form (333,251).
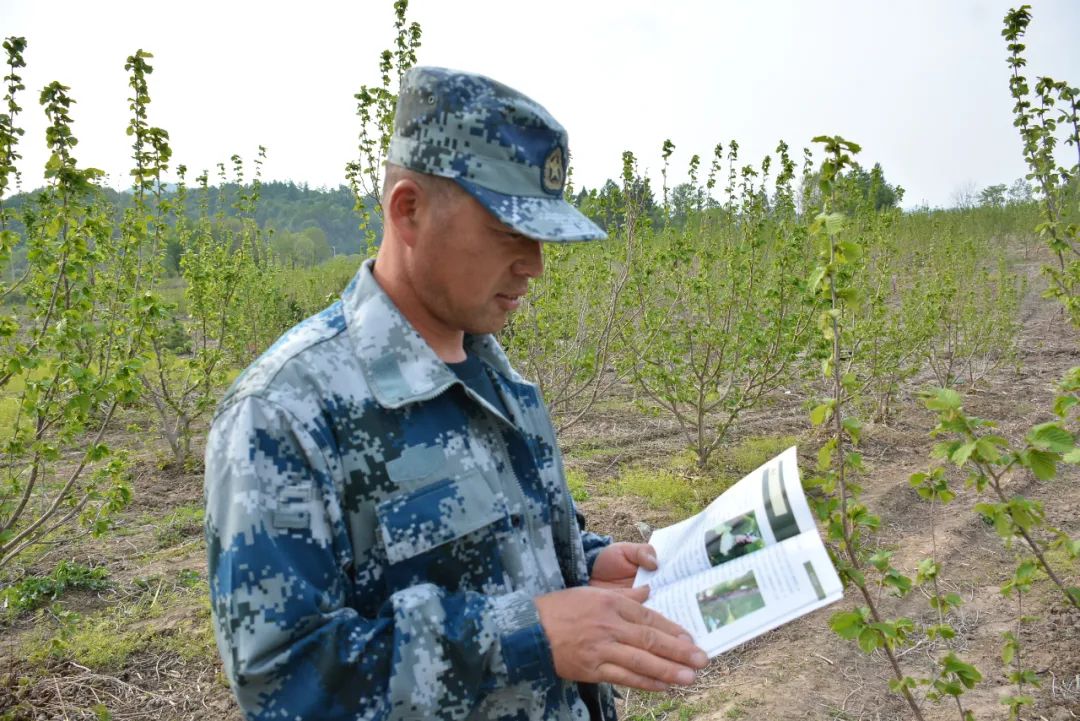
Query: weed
(188,578)
(35,591)
(165,615)
(180,524)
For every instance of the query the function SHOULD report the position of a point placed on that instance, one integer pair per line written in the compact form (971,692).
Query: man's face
(468,269)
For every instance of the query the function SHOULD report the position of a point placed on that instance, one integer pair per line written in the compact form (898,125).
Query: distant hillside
(292,211)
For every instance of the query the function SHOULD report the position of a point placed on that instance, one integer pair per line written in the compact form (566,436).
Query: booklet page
(751,561)
(764,508)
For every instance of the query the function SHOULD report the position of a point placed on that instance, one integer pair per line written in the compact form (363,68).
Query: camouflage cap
(503,148)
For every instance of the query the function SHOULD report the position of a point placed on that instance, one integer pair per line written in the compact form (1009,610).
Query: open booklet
(751,561)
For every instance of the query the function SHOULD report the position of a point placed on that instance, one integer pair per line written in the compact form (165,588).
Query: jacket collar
(398,364)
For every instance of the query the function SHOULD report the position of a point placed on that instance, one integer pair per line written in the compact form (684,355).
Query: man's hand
(617,564)
(598,635)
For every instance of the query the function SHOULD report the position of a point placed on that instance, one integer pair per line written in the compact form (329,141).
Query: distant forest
(303,225)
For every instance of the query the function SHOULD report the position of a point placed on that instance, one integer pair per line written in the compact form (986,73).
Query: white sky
(922,85)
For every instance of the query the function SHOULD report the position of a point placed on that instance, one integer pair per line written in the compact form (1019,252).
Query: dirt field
(159,661)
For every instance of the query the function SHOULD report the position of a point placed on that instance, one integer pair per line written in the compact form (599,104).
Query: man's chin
(488,325)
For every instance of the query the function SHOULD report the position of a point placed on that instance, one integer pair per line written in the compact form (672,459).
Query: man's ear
(401,209)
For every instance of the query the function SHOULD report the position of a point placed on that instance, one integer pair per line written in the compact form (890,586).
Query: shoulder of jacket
(302,359)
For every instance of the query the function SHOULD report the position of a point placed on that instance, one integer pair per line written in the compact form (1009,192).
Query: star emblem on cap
(554,171)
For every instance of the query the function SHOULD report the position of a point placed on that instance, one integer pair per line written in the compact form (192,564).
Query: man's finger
(679,649)
(636,613)
(639,595)
(612,673)
(642,663)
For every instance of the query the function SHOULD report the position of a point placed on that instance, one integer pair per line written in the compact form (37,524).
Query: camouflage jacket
(376,531)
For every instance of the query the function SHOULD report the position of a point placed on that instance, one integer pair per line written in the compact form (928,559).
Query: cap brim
(548,219)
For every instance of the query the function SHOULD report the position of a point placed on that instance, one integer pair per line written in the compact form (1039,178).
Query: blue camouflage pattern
(377,532)
(502,147)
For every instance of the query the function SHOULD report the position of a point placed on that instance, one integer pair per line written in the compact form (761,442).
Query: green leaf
(987,450)
(853,426)
(834,222)
(1051,437)
(850,250)
(822,412)
(1062,404)
(1008,650)
(847,624)
(870,640)
(961,454)
(880,560)
(1042,463)
(943,399)
(97,452)
(824,455)
(853,297)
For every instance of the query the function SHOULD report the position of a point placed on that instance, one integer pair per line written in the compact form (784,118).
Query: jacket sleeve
(292,646)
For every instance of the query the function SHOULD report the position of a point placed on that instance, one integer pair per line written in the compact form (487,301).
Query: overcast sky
(921,85)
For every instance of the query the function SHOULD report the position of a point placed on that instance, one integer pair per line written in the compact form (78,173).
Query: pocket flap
(415,522)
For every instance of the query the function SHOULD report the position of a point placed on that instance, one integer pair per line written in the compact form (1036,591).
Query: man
(388,526)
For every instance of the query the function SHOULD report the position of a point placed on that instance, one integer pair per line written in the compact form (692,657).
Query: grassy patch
(161,615)
(752,452)
(575,479)
(679,487)
(661,489)
(36,591)
(179,525)
(685,461)
(614,404)
(660,707)
(591,450)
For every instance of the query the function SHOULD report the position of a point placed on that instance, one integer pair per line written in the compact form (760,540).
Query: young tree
(717,319)
(70,355)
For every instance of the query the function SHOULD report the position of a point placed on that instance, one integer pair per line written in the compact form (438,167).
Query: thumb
(646,557)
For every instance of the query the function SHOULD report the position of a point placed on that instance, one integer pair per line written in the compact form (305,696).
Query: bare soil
(799,671)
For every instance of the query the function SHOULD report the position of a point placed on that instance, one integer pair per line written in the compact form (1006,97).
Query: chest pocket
(451,533)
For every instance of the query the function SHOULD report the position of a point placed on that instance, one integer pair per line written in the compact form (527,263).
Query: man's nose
(531,261)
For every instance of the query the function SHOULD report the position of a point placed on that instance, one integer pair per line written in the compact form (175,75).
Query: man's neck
(449,346)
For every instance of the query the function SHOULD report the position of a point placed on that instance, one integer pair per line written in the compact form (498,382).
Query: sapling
(849,522)
(72,364)
(717,320)
(953,676)
(563,336)
(375,106)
